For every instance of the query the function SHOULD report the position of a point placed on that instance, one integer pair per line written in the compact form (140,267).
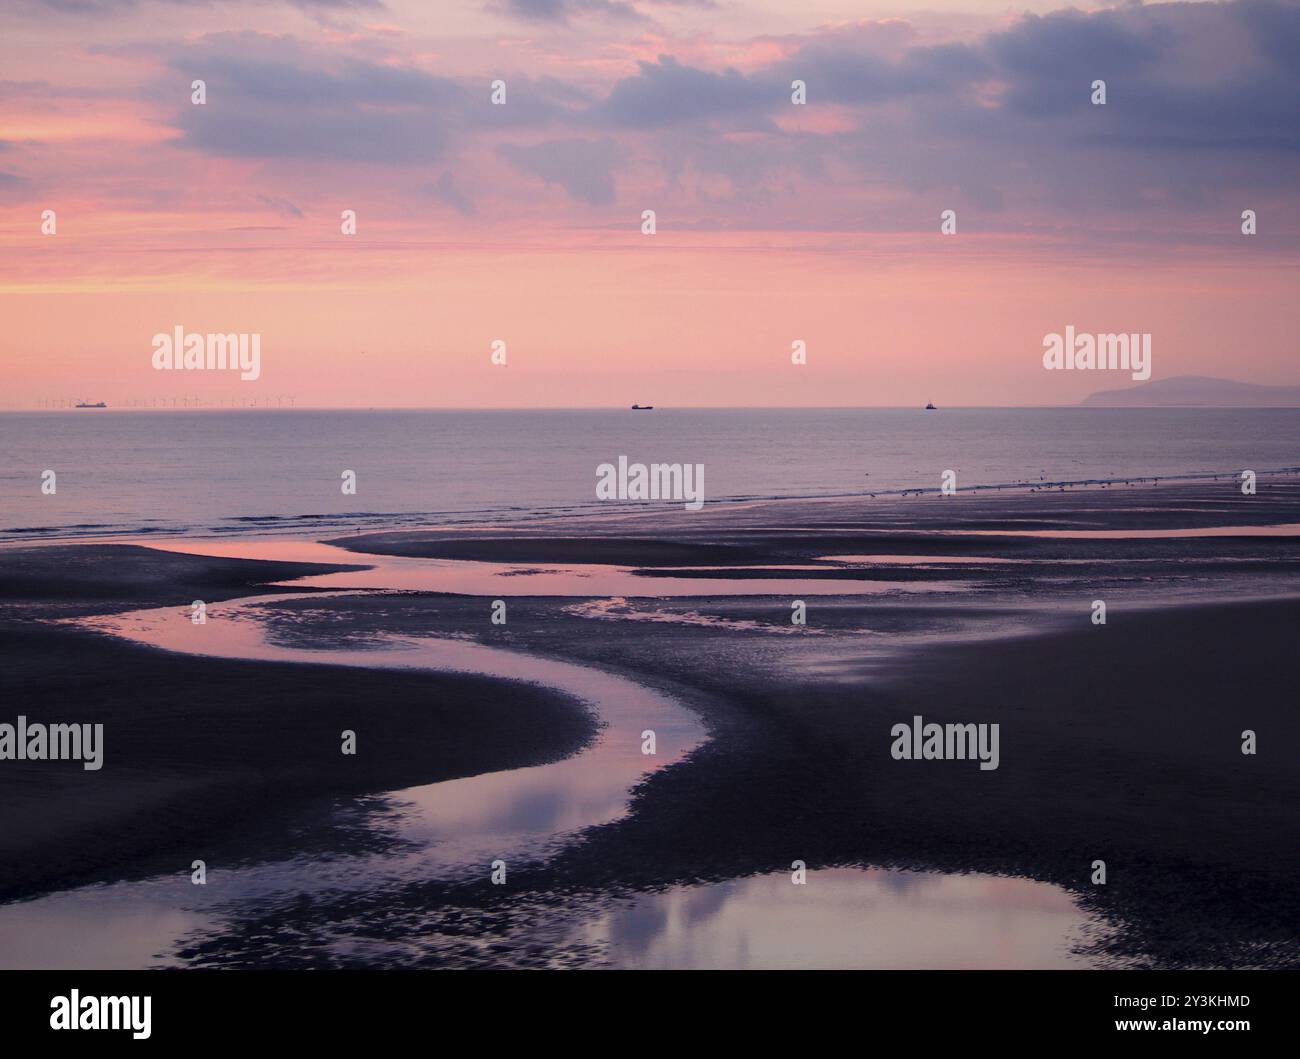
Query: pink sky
(776,222)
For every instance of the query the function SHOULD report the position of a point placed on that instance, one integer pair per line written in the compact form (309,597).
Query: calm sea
(223,472)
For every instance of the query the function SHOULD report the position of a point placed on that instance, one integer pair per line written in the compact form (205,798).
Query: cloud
(1045,60)
(560,12)
(583,168)
(114,7)
(670,93)
(283,207)
(1202,100)
(274,97)
(848,77)
(446,191)
(1201,108)
(1178,76)
(15,188)
(268,97)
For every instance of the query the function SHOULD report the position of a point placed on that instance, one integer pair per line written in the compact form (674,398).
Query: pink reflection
(493,814)
(916,560)
(848,918)
(473,578)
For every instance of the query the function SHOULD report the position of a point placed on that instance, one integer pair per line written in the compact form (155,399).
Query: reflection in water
(446,833)
(491,814)
(474,578)
(846,918)
(1289,529)
(922,560)
(617,608)
(446,830)
(100,927)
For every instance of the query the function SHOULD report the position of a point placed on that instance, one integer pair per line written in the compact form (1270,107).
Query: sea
(256,471)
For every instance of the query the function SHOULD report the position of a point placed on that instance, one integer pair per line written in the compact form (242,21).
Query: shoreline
(309,526)
(1130,751)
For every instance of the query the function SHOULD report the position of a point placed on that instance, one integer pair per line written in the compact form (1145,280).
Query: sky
(775,222)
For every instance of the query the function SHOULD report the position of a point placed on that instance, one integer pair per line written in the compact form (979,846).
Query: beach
(1120,742)
(648,485)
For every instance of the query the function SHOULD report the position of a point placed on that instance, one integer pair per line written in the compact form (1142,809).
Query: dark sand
(1119,742)
(210,757)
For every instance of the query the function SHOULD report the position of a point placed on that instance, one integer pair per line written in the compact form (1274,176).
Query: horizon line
(625,408)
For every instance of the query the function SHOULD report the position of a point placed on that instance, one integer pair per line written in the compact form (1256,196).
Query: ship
(930,407)
(86,404)
(643,408)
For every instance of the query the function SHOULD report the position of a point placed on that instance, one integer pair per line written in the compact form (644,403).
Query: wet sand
(1119,742)
(206,757)
(1125,749)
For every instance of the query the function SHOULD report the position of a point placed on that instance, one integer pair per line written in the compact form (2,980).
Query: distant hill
(1196,391)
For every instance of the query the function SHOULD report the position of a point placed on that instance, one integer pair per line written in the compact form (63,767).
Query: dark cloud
(530,103)
(270,98)
(1217,77)
(1042,67)
(1048,62)
(583,168)
(839,75)
(275,72)
(1202,101)
(667,93)
(560,12)
(1275,28)
(400,139)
